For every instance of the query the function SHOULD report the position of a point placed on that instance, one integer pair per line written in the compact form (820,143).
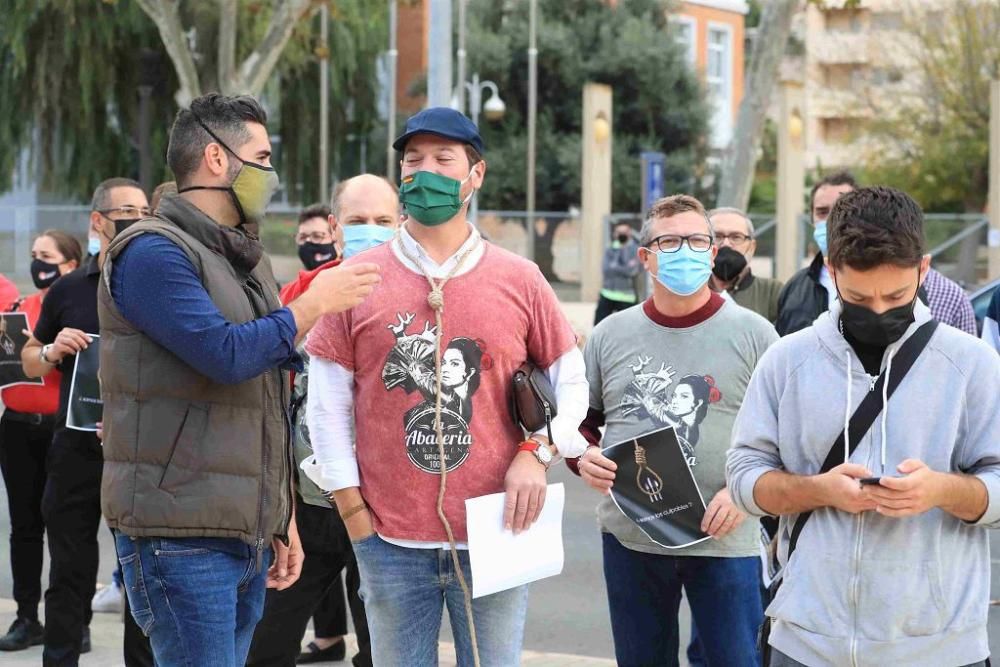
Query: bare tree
(250,75)
(765,66)
(766,55)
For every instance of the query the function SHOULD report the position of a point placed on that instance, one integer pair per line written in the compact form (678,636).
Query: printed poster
(12,341)
(85,404)
(654,487)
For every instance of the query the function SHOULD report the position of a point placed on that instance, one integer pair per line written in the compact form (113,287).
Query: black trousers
(278,637)
(606,306)
(330,617)
(71,507)
(23,450)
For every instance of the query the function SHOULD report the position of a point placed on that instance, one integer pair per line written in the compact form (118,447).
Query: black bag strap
(870,407)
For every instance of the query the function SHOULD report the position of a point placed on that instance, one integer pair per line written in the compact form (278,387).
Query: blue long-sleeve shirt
(157,289)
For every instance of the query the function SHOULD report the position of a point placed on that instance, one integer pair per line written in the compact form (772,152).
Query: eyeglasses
(127,211)
(314,237)
(735,238)
(673,242)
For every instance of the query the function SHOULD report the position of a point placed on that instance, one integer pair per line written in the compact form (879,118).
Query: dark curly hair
(870,227)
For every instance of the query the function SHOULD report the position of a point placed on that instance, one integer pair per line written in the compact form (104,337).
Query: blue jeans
(405,591)
(197,599)
(644,594)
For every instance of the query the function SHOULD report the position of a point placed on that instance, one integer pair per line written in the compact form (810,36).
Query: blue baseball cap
(443,122)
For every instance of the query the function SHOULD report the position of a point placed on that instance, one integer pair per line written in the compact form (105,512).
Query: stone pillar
(596,185)
(791,179)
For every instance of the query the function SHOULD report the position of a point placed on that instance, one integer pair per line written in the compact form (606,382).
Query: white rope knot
(436,299)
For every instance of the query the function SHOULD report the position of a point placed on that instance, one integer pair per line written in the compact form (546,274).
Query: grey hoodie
(867,589)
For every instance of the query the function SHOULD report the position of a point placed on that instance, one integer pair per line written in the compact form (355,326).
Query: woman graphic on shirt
(460,377)
(688,408)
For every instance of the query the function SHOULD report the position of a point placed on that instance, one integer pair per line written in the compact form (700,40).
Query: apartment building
(856,64)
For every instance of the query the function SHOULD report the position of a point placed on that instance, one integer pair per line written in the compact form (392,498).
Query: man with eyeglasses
(71,504)
(732,275)
(315,237)
(682,359)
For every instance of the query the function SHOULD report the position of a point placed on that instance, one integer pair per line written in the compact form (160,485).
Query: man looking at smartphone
(893,571)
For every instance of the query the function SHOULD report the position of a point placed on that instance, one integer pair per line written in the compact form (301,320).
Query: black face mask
(314,255)
(622,238)
(43,274)
(877,329)
(122,225)
(729,264)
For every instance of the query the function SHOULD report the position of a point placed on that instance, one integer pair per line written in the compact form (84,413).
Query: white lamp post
(494,109)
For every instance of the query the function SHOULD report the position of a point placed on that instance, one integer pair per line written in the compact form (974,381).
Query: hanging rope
(435,300)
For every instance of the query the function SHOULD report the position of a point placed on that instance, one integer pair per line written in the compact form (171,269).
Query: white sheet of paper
(501,560)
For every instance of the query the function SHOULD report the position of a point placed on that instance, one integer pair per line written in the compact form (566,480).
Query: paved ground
(567,622)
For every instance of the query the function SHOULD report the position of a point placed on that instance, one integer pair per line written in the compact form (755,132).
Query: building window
(685,36)
(840,130)
(845,20)
(887,20)
(719,80)
(882,76)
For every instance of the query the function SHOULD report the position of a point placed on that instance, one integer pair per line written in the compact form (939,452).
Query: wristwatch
(43,355)
(541,452)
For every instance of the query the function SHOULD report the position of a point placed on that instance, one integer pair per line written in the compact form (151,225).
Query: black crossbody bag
(860,422)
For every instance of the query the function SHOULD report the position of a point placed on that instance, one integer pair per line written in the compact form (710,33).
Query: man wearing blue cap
(409,406)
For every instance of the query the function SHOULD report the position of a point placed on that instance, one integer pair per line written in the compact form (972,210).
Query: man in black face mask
(71,501)
(731,274)
(894,551)
(314,237)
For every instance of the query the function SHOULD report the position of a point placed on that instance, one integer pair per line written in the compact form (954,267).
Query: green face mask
(432,199)
(251,190)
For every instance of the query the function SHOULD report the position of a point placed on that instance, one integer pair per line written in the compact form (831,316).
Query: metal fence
(957,241)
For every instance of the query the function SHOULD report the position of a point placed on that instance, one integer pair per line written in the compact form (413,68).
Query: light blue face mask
(93,245)
(683,272)
(362,237)
(819,236)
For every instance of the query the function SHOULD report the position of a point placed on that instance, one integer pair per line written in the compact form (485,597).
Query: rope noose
(435,299)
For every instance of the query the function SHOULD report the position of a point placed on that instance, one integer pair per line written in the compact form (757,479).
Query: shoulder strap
(870,407)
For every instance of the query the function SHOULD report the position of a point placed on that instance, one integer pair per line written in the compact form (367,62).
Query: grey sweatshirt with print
(645,376)
(866,589)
